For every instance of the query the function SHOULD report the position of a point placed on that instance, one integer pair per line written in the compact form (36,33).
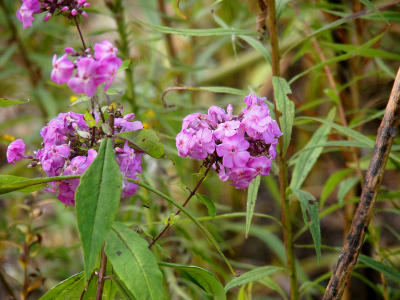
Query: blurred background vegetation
(39,243)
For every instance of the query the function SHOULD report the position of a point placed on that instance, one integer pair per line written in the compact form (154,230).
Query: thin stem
(192,193)
(8,288)
(80,33)
(373,179)
(283,174)
(102,273)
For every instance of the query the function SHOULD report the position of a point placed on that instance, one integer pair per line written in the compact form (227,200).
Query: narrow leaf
(144,140)
(332,183)
(30,183)
(252,275)
(380,267)
(175,6)
(7,103)
(203,278)
(216,2)
(80,100)
(70,288)
(10,179)
(124,291)
(309,208)
(347,185)
(124,66)
(133,262)
(97,201)
(286,107)
(368,4)
(198,32)
(251,201)
(208,203)
(258,46)
(307,159)
(186,212)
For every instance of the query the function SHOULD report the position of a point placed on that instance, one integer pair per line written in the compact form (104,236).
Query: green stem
(119,16)
(283,178)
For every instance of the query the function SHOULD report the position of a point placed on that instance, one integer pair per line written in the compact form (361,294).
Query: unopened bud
(47,17)
(69,50)
(87,51)
(80,2)
(119,150)
(83,13)
(32,164)
(87,5)
(74,12)
(65,8)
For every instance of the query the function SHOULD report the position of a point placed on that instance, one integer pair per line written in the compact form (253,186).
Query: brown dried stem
(102,273)
(351,249)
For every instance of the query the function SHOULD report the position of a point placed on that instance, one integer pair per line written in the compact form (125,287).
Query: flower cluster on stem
(244,145)
(69,146)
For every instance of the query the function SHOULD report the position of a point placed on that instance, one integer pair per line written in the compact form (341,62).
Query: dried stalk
(351,249)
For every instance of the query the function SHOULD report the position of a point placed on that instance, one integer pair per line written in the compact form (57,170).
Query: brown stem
(351,249)
(8,288)
(192,193)
(80,33)
(283,172)
(165,22)
(102,273)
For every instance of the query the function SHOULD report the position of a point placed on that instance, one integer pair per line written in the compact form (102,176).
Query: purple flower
(85,81)
(78,166)
(217,113)
(252,100)
(107,71)
(28,8)
(126,125)
(202,144)
(226,129)
(53,159)
(62,69)
(104,50)
(183,142)
(256,120)
(128,188)
(130,161)
(65,194)
(16,151)
(233,150)
(261,165)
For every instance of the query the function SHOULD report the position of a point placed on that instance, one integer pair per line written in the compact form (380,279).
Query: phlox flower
(202,144)
(107,71)
(85,81)
(28,8)
(16,151)
(233,150)
(104,50)
(226,129)
(62,69)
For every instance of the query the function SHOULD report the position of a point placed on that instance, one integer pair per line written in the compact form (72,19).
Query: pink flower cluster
(69,8)
(239,147)
(91,71)
(68,150)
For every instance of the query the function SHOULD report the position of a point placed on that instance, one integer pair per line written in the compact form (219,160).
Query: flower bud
(84,14)
(65,8)
(32,164)
(74,12)
(47,17)
(69,50)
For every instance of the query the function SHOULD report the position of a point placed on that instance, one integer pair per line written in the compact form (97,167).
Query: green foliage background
(218,65)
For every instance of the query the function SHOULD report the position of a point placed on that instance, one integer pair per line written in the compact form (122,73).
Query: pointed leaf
(10,179)
(252,275)
(258,46)
(124,66)
(309,207)
(251,201)
(7,103)
(368,4)
(332,183)
(97,201)
(133,262)
(380,267)
(307,159)
(347,185)
(70,288)
(198,32)
(80,100)
(144,140)
(201,277)
(175,6)
(208,203)
(286,107)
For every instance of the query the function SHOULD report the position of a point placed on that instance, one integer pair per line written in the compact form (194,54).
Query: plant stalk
(283,173)
(373,179)
(102,273)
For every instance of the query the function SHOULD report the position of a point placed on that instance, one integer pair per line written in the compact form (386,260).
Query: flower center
(233,150)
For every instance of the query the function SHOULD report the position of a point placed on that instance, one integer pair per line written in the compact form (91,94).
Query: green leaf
(80,100)
(162,250)
(208,203)
(218,89)
(368,4)
(309,208)
(110,288)
(203,278)
(175,6)
(90,121)
(70,288)
(30,183)
(7,103)
(335,59)
(365,53)
(133,262)
(216,2)
(198,32)
(380,267)
(307,159)
(186,212)
(172,219)
(112,92)
(258,46)
(332,183)
(97,200)
(251,201)
(10,179)
(253,275)
(124,291)
(349,132)
(347,185)
(144,140)
(286,107)
(124,66)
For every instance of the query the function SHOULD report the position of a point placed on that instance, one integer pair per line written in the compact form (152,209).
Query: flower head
(62,69)
(16,151)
